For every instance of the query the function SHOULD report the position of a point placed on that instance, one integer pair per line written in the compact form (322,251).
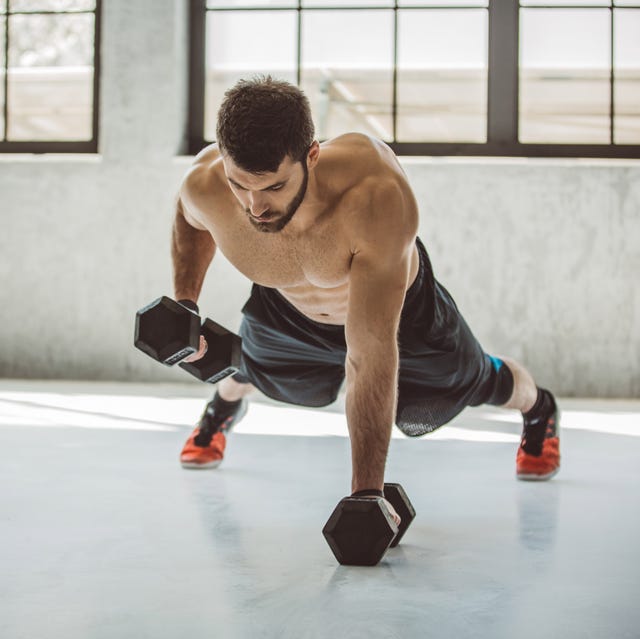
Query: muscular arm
(378,281)
(192,249)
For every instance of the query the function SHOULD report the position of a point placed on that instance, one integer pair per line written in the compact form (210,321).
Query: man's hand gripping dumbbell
(171,332)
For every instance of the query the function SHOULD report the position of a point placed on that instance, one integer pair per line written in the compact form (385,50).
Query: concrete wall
(542,256)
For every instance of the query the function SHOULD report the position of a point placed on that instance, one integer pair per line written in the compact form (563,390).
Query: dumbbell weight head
(397,497)
(359,531)
(223,354)
(167,331)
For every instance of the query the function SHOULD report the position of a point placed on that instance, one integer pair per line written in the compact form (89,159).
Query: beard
(282,218)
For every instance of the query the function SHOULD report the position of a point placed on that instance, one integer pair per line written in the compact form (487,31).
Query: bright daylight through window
(495,77)
(48,75)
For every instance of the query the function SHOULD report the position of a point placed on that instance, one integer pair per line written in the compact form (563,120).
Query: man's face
(270,200)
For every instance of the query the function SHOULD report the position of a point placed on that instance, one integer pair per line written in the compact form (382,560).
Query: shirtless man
(342,285)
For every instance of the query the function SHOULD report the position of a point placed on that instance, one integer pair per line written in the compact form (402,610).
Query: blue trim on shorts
(497,363)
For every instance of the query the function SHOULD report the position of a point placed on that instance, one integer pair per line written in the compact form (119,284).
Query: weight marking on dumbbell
(179,356)
(222,374)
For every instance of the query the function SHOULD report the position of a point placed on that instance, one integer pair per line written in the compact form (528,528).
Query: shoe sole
(532,477)
(200,466)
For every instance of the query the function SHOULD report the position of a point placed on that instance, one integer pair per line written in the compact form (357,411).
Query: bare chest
(283,263)
(311,271)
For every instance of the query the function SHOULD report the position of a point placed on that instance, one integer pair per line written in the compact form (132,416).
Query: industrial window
(49,63)
(454,77)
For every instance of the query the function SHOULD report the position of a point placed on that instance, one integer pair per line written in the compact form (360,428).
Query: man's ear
(313,155)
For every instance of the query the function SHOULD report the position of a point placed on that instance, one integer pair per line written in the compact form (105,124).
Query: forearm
(370,406)
(191,251)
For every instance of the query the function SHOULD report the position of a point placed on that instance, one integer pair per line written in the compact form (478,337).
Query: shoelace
(210,424)
(534,434)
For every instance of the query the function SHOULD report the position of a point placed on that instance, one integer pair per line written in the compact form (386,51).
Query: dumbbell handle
(222,357)
(397,497)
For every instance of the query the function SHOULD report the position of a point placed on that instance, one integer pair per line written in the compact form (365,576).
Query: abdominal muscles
(326,305)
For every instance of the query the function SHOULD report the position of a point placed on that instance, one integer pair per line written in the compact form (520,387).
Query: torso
(309,265)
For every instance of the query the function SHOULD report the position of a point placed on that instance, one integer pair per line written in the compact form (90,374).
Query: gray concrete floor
(103,535)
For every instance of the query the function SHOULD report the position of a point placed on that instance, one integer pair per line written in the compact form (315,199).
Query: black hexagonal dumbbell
(361,529)
(169,332)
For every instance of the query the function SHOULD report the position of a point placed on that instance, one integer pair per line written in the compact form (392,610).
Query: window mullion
(5,105)
(197,66)
(612,98)
(299,46)
(394,104)
(97,64)
(502,107)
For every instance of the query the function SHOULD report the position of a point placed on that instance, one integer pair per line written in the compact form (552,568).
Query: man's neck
(312,207)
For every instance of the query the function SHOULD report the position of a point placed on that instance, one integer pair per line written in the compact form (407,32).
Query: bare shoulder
(363,152)
(385,216)
(381,209)
(203,184)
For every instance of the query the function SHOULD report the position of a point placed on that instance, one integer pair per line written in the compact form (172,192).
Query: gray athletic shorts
(443,368)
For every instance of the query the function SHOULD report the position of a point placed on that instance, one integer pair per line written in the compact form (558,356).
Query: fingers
(200,353)
(393,513)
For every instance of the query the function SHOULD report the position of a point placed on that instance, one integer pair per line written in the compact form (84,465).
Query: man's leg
(538,456)
(525,391)
(205,447)
(305,368)
(232,391)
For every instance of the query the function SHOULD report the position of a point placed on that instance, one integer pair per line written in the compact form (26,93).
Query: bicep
(379,277)
(376,295)
(183,213)
(193,195)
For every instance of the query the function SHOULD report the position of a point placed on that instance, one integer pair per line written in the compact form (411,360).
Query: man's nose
(257,204)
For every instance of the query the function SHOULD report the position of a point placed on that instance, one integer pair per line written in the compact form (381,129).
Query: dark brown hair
(261,121)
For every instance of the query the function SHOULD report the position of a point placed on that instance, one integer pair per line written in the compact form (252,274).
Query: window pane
(347,3)
(348,76)
(626,3)
(564,3)
(241,44)
(442,3)
(52,5)
(442,76)
(564,76)
(217,4)
(627,76)
(50,92)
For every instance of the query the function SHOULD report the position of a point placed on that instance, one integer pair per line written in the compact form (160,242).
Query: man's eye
(276,188)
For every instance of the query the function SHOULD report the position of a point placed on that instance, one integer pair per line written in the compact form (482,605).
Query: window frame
(57,146)
(502,90)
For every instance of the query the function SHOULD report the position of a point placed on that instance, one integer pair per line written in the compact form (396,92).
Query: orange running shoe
(206,444)
(538,457)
